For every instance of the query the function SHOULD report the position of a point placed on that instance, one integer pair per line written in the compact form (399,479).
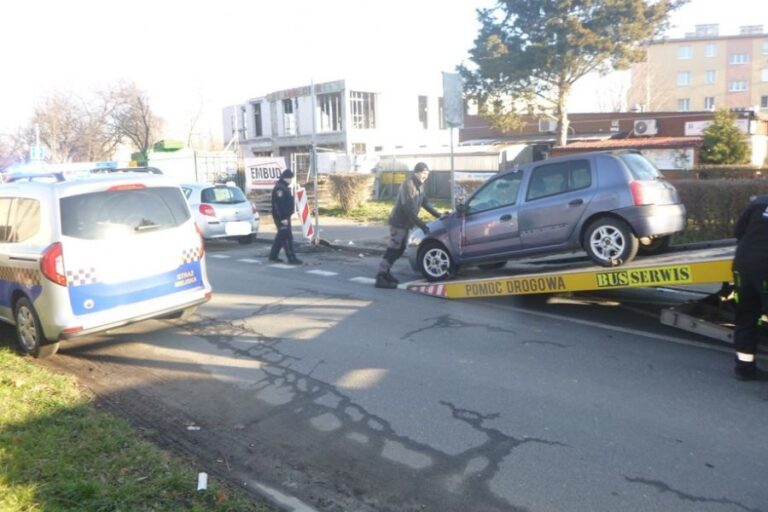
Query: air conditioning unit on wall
(547,125)
(646,127)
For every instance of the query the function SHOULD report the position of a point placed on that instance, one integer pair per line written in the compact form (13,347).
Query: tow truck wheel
(655,246)
(29,334)
(435,262)
(609,242)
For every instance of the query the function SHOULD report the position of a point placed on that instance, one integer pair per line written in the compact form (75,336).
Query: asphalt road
(311,386)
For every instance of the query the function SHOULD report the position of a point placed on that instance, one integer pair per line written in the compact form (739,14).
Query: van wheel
(610,242)
(435,262)
(29,334)
(247,239)
(655,246)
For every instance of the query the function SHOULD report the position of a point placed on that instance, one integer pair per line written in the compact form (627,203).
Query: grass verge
(59,453)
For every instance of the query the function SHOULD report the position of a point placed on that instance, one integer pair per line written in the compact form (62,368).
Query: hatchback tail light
(207,209)
(52,264)
(640,193)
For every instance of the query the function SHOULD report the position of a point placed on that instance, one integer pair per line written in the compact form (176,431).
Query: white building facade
(352,119)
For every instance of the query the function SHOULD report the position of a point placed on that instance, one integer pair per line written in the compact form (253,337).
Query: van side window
(5,218)
(553,179)
(26,219)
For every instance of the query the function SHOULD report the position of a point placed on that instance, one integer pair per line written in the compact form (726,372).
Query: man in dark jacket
(404,216)
(750,274)
(282,210)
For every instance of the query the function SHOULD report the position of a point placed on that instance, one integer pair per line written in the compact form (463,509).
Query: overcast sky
(204,55)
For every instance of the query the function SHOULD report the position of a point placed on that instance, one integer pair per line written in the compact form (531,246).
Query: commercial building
(703,71)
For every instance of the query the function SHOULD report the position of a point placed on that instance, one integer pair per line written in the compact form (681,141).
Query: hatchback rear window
(640,167)
(102,215)
(222,195)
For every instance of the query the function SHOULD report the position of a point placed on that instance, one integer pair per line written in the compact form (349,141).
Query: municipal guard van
(80,256)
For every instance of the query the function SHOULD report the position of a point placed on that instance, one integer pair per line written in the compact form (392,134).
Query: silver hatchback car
(222,211)
(609,204)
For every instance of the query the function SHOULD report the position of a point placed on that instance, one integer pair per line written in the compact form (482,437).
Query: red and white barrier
(302,208)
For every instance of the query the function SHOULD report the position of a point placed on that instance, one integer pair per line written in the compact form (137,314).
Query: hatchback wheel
(247,239)
(29,334)
(435,262)
(610,242)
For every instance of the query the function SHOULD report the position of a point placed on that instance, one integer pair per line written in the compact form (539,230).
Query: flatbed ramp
(681,268)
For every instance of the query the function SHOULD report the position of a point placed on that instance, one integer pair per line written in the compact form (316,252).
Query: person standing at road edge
(282,211)
(750,276)
(403,217)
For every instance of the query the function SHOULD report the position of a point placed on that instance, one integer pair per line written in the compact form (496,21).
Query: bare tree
(132,116)
(11,150)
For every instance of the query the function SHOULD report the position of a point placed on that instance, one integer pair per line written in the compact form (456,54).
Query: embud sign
(261,173)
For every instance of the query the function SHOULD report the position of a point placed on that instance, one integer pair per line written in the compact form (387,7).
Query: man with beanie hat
(404,216)
(282,211)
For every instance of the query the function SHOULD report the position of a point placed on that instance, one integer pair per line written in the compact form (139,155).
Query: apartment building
(703,71)
(345,117)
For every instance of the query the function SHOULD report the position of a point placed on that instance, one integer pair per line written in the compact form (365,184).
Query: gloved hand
(445,215)
(284,222)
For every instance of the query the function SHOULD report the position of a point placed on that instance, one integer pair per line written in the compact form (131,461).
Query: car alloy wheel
(435,262)
(610,242)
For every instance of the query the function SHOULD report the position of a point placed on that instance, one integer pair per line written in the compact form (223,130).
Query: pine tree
(724,143)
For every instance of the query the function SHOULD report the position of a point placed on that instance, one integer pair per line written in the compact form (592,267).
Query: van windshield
(640,167)
(107,214)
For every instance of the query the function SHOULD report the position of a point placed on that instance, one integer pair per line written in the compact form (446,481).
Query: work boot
(383,282)
(295,261)
(748,371)
(389,277)
(276,259)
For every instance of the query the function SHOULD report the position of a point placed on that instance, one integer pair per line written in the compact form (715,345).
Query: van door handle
(576,202)
(505,218)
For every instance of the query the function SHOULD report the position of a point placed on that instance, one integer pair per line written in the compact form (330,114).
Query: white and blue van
(79,256)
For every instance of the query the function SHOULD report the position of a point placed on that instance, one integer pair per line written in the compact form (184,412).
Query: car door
(490,222)
(557,195)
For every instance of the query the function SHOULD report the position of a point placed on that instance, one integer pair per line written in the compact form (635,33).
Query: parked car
(85,255)
(610,204)
(222,211)
(113,170)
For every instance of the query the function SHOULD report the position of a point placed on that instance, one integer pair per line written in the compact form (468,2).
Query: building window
(684,52)
(710,50)
(441,113)
(709,76)
(709,103)
(258,130)
(289,116)
(330,112)
(763,101)
(358,148)
(363,109)
(738,58)
(764,74)
(684,78)
(423,112)
(738,85)
(683,104)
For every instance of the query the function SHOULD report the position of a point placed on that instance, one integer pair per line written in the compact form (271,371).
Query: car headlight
(416,237)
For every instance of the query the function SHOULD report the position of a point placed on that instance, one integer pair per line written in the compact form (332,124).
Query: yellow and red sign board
(697,272)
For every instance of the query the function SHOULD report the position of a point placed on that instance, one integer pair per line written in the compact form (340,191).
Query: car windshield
(640,167)
(222,195)
(102,215)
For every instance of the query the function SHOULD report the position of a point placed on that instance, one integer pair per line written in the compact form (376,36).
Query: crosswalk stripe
(220,256)
(249,260)
(364,280)
(326,273)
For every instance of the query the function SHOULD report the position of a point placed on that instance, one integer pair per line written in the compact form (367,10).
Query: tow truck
(683,266)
